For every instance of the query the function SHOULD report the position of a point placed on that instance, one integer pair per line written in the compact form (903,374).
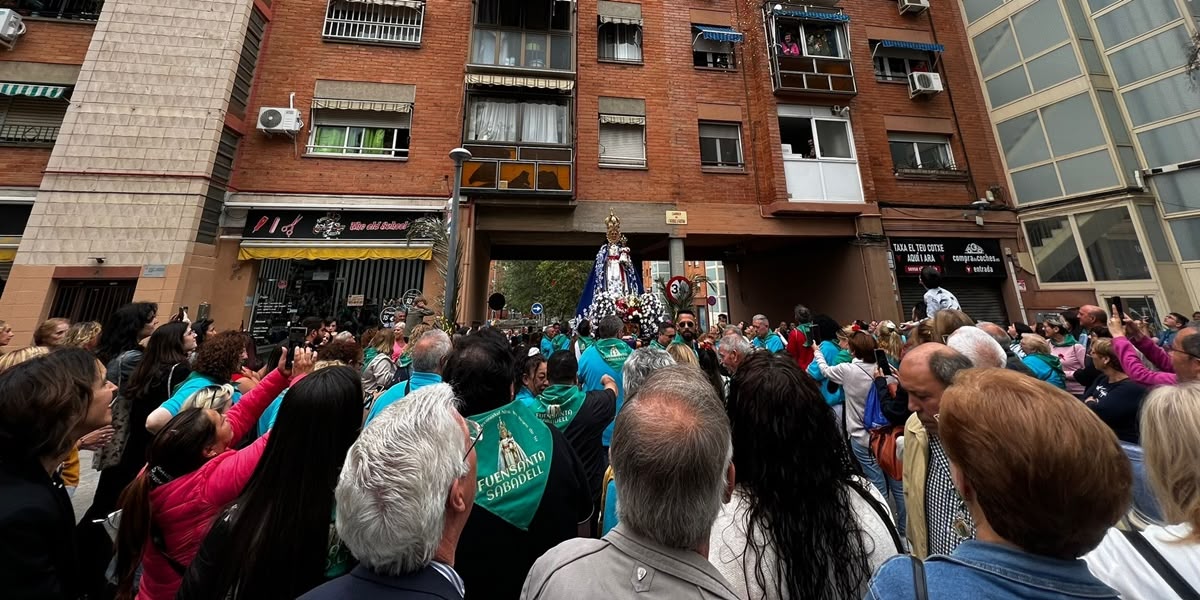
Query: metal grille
(91,300)
(364,22)
(214,196)
(983,300)
(378,280)
(240,97)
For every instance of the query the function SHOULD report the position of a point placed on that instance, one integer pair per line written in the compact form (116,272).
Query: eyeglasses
(685,324)
(1174,349)
(476,432)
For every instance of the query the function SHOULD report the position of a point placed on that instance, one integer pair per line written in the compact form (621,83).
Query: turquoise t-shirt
(267,420)
(415,382)
(194,383)
(773,342)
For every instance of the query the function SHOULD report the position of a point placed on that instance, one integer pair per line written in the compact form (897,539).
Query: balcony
(525,169)
(534,36)
(28,135)
(72,10)
(810,51)
(819,159)
(390,22)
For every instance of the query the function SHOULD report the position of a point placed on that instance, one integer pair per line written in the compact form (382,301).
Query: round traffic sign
(536,308)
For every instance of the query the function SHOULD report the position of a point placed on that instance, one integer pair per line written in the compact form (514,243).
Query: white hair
(640,365)
(429,351)
(391,494)
(758,318)
(737,343)
(978,346)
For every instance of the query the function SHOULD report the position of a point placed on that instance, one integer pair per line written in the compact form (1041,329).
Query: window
(244,77)
(1187,236)
(978,8)
(1053,67)
(620,42)
(720,145)
(1171,143)
(531,35)
(1152,56)
(1154,231)
(1162,99)
(1111,244)
(26,121)
(1040,27)
(895,64)
(814,138)
(622,141)
(711,53)
(397,23)
(715,272)
(1177,191)
(1133,19)
(1052,243)
(519,121)
(1037,57)
(360,133)
(921,152)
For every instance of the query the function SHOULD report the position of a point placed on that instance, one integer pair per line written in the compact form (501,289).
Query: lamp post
(459,156)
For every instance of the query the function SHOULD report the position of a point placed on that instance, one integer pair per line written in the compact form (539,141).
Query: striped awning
(719,34)
(336,104)
(539,83)
(32,90)
(415,4)
(919,46)
(809,15)
(619,20)
(622,120)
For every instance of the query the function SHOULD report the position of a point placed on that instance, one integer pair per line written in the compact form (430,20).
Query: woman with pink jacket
(1070,353)
(1128,340)
(191,474)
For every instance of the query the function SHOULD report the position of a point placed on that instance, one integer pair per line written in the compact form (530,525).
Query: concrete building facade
(1091,106)
(821,154)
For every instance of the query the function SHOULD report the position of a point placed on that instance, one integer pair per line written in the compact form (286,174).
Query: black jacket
(37,535)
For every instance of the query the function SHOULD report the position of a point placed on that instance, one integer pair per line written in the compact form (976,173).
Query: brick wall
(295,57)
(22,167)
(58,42)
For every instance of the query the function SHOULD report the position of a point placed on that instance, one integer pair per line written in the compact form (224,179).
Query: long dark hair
(121,330)
(793,470)
(283,515)
(163,351)
(201,327)
(42,400)
(177,449)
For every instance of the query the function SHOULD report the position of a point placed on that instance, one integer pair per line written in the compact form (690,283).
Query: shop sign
(291,224)
(355,299)
(953,257)
(268,314)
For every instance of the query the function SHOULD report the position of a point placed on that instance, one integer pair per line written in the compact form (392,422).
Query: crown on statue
(613,222)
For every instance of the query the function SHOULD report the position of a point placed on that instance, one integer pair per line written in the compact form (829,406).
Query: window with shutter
(30,121)
(720,145)
(623,144)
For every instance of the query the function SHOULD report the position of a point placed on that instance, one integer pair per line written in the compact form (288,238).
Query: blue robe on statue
(595,282)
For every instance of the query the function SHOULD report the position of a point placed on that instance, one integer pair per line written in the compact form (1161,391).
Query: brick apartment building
(805,161)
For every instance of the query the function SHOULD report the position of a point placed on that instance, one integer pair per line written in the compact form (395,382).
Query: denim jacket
(984,570)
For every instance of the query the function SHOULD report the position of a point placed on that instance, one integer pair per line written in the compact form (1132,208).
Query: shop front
(354,266)
(972,268)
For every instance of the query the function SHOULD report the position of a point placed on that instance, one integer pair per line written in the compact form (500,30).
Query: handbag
(883,448)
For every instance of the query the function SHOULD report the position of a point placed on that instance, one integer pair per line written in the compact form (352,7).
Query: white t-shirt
(939,299)
(727,545)
(1117,563)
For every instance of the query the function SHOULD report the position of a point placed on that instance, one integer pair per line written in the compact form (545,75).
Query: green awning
(35,91)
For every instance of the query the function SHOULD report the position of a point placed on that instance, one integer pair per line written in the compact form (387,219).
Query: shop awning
(336,104)
(539,83)
(35,91)
(403,3)
(808,15)
(333,252)
(919,46)
(719,34)
(620,20)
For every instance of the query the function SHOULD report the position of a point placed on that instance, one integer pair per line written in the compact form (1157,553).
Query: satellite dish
(496,301)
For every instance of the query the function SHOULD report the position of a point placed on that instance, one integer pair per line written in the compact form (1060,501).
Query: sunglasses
(476,432)
(685,324)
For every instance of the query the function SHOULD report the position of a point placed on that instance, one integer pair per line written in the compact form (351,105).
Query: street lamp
(459,156)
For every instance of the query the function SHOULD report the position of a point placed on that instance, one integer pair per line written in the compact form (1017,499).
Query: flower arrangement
(645,309)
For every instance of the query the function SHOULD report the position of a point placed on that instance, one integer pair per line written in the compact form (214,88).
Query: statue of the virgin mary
(614,285)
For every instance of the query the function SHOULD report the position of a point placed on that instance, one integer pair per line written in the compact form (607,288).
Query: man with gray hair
(640,365)
(732,350)
(764,338)
(403,498)
(978,346)
(427,355)
(671,455)
(1011,360)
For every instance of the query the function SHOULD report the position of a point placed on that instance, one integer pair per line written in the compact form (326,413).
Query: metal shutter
(622,144)
(25,119)
(982,299)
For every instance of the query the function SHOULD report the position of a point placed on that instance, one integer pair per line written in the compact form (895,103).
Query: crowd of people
(936,458)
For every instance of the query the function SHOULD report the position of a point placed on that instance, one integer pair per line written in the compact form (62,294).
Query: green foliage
(660,286)
(557,284)
(436,230)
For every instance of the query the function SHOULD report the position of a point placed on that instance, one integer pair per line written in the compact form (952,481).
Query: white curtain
(545,123)
(493,121)
(485,47)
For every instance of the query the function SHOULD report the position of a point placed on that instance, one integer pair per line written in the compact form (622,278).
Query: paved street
(87,484)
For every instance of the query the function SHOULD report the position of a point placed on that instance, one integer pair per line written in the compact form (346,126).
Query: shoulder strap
(160,544)
(920,586)
(1160,565)
(883,516)
(171,379)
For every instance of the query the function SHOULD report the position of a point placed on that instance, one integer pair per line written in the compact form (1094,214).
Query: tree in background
(556,284)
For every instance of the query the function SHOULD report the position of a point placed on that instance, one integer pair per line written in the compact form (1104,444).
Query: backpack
(873,417)
(401,375)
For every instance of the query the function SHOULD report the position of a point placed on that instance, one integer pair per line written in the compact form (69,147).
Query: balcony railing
(810,180)
(396,22)
(811,74)
(28,134)
(75,10)
(518,169)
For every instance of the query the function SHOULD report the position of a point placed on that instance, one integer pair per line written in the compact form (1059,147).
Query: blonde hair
(682,354)
(1104,347)
(84,335)
(1170,420)
(41,336)
(889,339)
(1033,343)
(216,397)
(1067,461)
(384,340)
(17,357)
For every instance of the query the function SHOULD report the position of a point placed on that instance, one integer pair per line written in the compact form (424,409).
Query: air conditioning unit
(279,120)
(11,27)
(924,84)
(915,7)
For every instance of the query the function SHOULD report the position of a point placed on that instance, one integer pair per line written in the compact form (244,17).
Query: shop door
(982,299)
(91,299)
